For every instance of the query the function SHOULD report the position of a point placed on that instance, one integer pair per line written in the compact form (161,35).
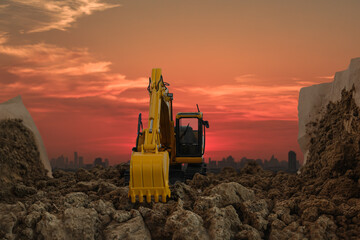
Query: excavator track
(182,173)
(177,173)
(193,168)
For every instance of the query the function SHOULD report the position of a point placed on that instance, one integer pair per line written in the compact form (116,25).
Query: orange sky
(82,67)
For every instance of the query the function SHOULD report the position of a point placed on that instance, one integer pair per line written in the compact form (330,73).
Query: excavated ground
(19,158)
(323,202)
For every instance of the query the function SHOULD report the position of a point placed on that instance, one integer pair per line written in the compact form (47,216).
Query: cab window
(188,137)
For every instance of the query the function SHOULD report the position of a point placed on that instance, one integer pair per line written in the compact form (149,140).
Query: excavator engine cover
(149,174)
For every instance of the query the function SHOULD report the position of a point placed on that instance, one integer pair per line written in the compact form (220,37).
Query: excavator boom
(149,165)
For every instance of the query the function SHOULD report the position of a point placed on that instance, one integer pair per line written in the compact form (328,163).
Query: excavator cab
(190,135)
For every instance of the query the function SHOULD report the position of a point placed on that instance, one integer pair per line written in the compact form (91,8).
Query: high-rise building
(212,163)
(292,162)
(106,162)
(81,161)
(98,161)
(76,160)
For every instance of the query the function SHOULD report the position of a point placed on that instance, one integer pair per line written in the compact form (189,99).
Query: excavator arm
(149,165)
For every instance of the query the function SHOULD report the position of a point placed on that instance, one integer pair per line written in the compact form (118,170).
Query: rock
(251,168)
(223,195)
(122,199)
(7,224)
(184,192)
(222,223)
(274,193)
(232,193)
(350,209)
(104,208)
(83,175)
(10,214)
(76,199)
(38,207)
(58,173)
(310,214)
(248,233)
(134,228)
(155,218)
(80,223)
(27,233)
(21,190)
(121,215)
(255,213)
(184,224)
(200,181)
(204,203)
(323,228)
(277,224)
(105,187)
(324,206)
(88,186)
(32,218)
(50,227)
(282,210)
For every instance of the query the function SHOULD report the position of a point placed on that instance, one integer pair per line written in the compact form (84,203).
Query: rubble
(219,211)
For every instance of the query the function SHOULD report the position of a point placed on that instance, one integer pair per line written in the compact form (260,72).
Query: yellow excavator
(163,149)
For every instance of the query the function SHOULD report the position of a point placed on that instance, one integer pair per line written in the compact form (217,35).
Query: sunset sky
(82,67)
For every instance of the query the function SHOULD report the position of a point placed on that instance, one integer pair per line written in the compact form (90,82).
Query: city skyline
(63,162)
(235,159)
(292,164)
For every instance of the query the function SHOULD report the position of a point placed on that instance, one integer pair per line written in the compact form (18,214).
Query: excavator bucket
(149,176)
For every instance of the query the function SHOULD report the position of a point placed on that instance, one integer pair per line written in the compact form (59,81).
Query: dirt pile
(20,164)
(335,141)
(253,204)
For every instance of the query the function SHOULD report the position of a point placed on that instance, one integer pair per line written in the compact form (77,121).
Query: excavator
(165,151)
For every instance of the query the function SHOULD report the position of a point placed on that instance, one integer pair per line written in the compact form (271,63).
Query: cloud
(331,77)
(45,15)
(245,78)
(246,100)
(55,72)
(229,90)
(3,37)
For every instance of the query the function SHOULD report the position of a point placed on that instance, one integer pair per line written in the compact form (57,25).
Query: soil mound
(19,158)
(335,141)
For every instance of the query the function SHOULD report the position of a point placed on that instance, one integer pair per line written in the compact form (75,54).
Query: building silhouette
(99,161)
(292,164)
(212,164)
(106,161)
(76,160)
(81,162)
(62,162)
(273,164)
